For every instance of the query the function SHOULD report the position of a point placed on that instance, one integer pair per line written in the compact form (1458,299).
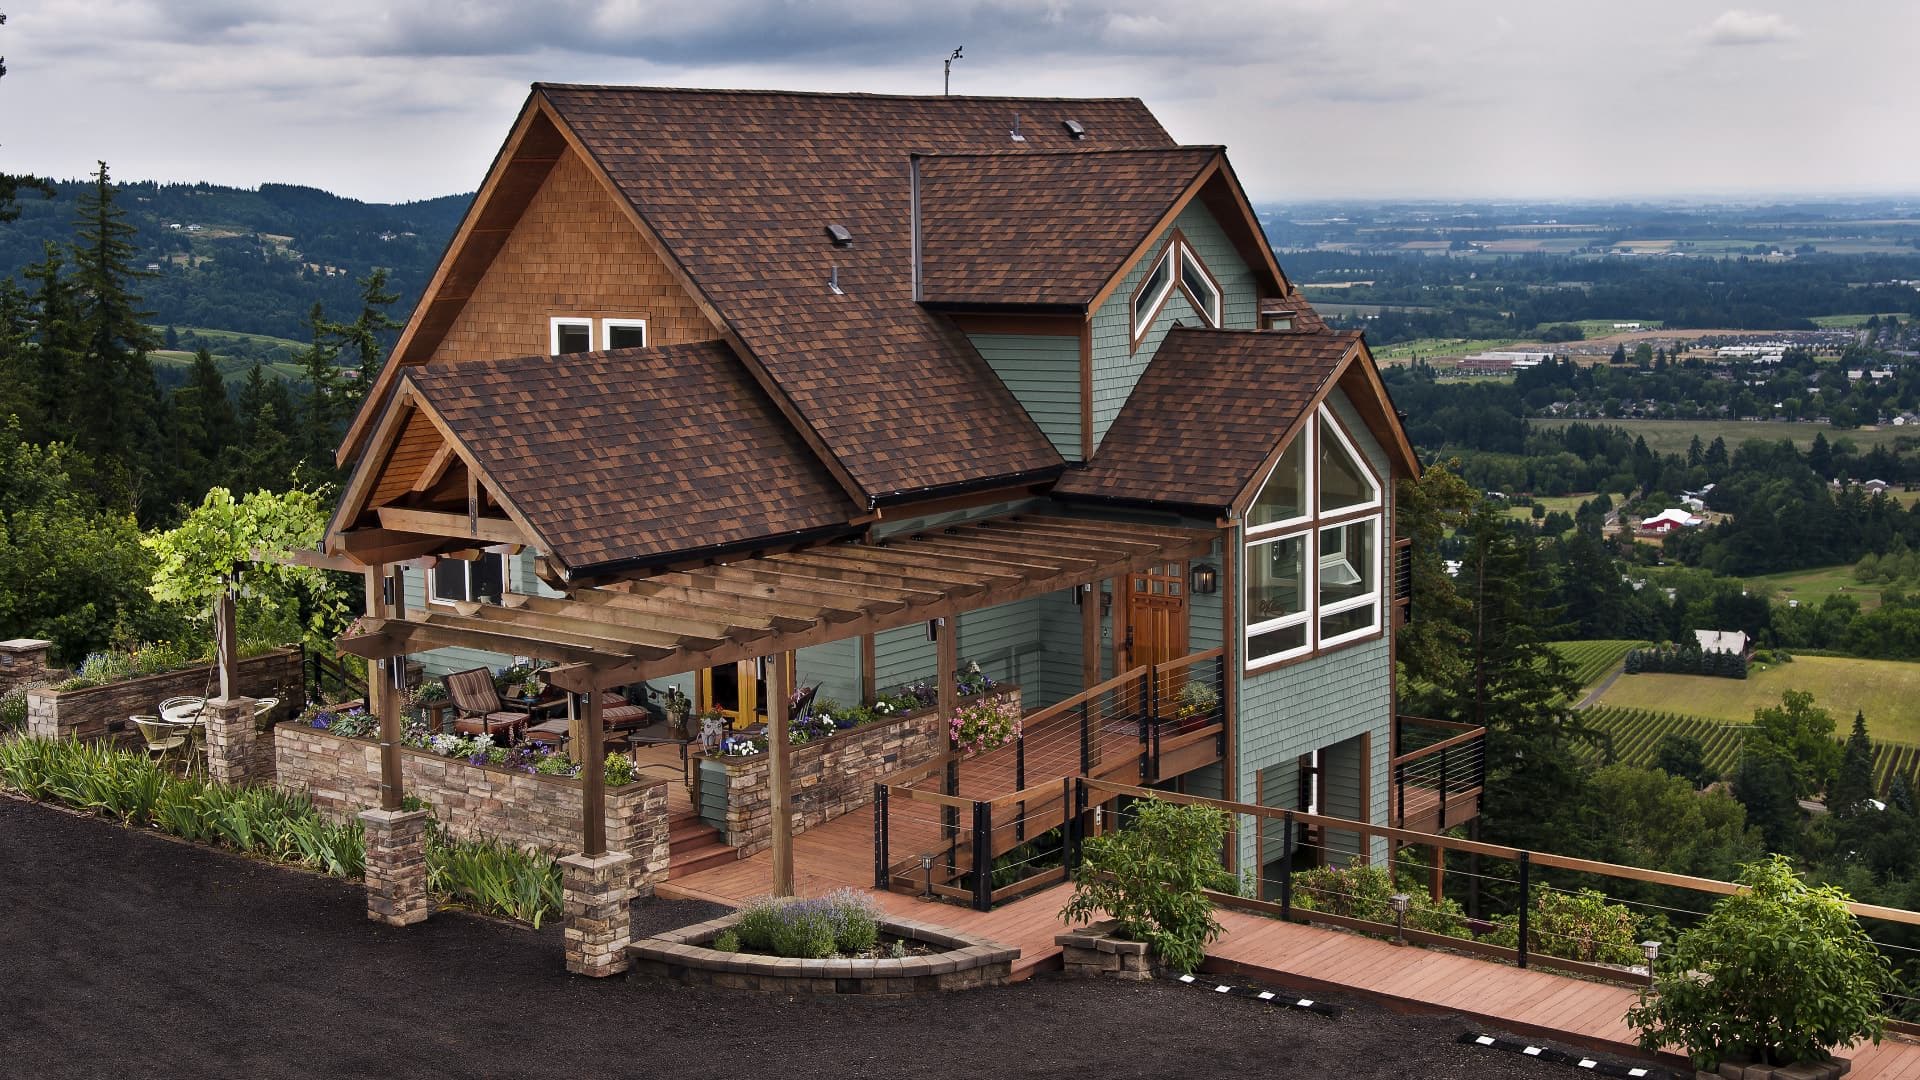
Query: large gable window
(1313,548)
(1177,267)
(457,580)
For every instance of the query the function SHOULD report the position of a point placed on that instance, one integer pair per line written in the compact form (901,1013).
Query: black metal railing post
(1526,903)
(983,856)
(1286,867)
(1069,848)
(1400,792)
(1443,791)
(950,815)
(882,872)
(1020,784)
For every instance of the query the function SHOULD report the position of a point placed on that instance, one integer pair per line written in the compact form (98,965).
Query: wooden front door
(739,689)
(1157,620)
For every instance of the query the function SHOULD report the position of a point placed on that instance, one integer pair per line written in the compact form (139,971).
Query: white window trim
(556,322)
(607,327)
(1309,527)
(1310,488)
(1309,593)
(506,579)
(1327,418)
(1210,312)
(1144,323)
(1353,603)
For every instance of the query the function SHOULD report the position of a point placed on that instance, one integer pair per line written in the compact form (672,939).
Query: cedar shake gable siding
(572,252)
(635,454)
(1019,228)
(1207,414)
(740,187)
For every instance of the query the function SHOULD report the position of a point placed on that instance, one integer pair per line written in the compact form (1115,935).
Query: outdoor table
(550,704)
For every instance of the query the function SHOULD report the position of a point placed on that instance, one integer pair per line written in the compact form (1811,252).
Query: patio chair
(477,704)
(184,701)
(163,739)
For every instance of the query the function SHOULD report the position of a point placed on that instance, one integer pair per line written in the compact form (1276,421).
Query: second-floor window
(1177,268)
(568,334)
(1313,548)
(574,334)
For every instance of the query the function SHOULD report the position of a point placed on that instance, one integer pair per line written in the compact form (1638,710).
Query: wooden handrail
(1452,725)
(1444,744)
(1188,661)
(1060,708)
(1498,851)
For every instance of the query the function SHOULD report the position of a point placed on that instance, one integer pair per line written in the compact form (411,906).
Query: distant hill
(252,261)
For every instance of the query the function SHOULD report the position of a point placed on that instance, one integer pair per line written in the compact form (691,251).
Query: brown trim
(1378,480)
(1041,325)
(1259,828)
(1086,388)
(1263,251)
(361,481)
(1089,633)
(1366,792)
(1314,653)
(1166,221)
(1230,653)
(474,471)
(1385,423)
(947,504)
(1237,508)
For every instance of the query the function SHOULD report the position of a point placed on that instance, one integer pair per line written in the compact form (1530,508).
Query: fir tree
(325,403)
(364,337)
(1853,785)
(57,349)
(115,378)
(202,427)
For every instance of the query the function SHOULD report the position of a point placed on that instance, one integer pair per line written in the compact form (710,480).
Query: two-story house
(841,383)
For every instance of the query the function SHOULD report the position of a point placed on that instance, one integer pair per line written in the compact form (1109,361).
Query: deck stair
(694,845)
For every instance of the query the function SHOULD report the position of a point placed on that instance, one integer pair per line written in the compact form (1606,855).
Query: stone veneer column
(229,735)
(597,892)
(22,660)
(396,866)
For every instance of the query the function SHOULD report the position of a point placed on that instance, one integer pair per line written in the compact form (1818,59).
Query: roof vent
(1074,128)
(833,282)
(1015,133)
(840,236)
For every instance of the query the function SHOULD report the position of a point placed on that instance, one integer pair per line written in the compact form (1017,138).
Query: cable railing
(1439,771)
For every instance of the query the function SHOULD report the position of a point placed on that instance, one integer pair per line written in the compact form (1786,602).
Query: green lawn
(1812,587)
(234,335)
(1836,322)
(1599,328)
(1888,691)
(1436,347)
(1672,436)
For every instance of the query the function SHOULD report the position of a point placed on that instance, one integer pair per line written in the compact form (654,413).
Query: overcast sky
(1314,98)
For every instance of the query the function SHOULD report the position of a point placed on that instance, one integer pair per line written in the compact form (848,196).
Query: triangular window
(1284,496)
(1345,480)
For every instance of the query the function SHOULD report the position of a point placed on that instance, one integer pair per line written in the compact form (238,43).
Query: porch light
(933,629)
(1080,594)
(1400,902)
(1206,578)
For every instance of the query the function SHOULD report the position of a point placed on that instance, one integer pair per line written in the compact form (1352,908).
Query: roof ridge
(542,85)
(1062,153)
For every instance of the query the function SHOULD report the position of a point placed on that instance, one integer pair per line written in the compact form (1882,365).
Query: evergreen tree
(1716,453)
(1764,784)
(325,403)
(1695,453)
(1429,647)
(58,345)
(17,382)
(1853,785)
(202,428)
(115,378)
(364,337)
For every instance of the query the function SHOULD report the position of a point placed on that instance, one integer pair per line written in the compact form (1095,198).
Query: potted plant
(530,687)
(1197,703)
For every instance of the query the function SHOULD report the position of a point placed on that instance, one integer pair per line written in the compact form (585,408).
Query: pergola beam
(628,620)
(734,618)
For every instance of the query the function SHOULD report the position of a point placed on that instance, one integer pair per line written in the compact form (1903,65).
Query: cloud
(1739,27)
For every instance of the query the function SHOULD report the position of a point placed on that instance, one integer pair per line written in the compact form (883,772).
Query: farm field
(1888,691)
(1437,347)
(1593,659)
(1835,322)
(1812,587)
(1632,737)
(1672,436)
(1566,504)
(233,369)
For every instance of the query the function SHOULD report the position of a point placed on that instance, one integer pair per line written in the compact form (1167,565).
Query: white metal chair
(163,739)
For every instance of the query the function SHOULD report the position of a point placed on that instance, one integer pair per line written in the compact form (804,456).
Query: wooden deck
(839,854)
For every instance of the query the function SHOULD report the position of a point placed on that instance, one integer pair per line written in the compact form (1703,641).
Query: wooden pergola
(769,605)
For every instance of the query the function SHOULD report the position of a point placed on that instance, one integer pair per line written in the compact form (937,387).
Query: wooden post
(382,678)
(376,609)
(782,778)
(868,691)
(593,774)
(1089,634)
(227,642)
(1230,639)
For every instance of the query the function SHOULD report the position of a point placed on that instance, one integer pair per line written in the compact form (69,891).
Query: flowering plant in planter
(984,725)
(1197,700)
(742,746)
(973,681)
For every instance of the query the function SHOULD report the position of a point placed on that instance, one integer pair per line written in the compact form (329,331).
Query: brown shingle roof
(1051,228)
(741,185)
(624,455)
(1305,319)
(1206,413)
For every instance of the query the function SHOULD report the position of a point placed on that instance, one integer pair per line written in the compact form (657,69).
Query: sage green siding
(1043,372)
(834,667)
(1117,366)
(520,578)
(1325,704)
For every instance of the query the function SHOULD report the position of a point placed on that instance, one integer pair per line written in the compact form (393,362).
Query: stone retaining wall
(342,777)
(831,776)
(968,963)
(95,712)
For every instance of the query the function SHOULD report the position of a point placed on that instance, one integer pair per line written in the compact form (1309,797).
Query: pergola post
(1089,597)
(229,717)
(596,885)
(396,839)
(778,700)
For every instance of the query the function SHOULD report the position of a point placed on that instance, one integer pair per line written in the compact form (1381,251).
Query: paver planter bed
(951,961)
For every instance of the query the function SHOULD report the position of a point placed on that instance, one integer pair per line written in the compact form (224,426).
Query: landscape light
(1400,902)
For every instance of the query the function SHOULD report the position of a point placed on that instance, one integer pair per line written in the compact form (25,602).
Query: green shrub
(13,705)
(806,933)
(844,921)
(494,877)
(1151,878)
(620,770)
(727,941)
(1359,891)
(1775,975)
(1579,926)
(757,920)
(856,921)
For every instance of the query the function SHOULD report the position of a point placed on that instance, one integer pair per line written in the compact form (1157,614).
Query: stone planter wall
(968,963)
(831,776)
(342,777)
(95,712)
(1097,951)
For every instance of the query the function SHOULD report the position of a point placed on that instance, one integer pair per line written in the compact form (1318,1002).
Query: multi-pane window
(1200,286)
(1153,292)
(1313,548)
(1177,266)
